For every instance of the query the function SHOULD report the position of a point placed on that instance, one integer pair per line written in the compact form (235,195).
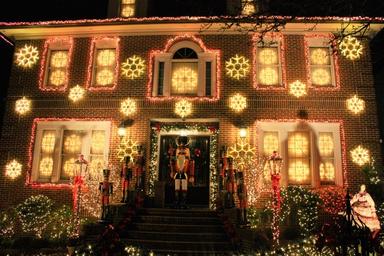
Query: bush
(7,224)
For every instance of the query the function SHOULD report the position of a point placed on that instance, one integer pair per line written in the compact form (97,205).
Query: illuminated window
(248,7)
(320,62)
(58,145)
(55,69)
(127,8)
(311,151)
(185,70)
(104,64)
(268,65)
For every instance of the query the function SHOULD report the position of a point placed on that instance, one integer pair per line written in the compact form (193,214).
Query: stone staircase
(178,232)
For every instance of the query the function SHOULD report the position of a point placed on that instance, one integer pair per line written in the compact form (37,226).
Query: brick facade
(355,77)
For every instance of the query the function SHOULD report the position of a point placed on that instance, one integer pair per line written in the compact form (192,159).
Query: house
(134,84)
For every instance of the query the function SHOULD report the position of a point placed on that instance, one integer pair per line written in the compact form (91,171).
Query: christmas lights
(183,108)
(128,107)
(133,67)
(360,155)
(13,169)
(297,89)
(355,104)
(23,106)
(76,93)
(351,48)
(169,44)
(60,59)
(127,147)
(105,79)
(27,56)
(238,102)
(237,67)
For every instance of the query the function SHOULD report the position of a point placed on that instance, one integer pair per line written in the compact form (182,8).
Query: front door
(198,187)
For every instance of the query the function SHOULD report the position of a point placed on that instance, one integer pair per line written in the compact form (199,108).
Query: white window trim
(269,43)
(283,128)
(61,45)
(203,58)
(59,127)
(323,43)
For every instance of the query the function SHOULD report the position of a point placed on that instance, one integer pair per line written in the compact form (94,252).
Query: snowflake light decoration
(46,167)
(242,152)
(183,108)
(104,77)
(106,57)
(127,147)
(297,89)
(27,56)
(320,56)
(13,169)
(360,155)
(238,102)
(59,59)
(128,107)
(76,93)
(268,76)
(321,76)
(351,48)
(23,106)
(268,56)
(237,67)
(57,77)
(133,67)
(355,105)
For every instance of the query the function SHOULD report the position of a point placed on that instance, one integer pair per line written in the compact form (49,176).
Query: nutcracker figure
(242,197)
(106,190)
(181,177)
(139,169)
(126,177)
(171,155)
(229,180)
(223,165)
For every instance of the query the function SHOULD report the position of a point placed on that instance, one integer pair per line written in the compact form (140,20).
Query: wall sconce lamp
(122,130)
(243,133)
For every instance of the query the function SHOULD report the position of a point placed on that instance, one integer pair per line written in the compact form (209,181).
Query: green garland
(157,128)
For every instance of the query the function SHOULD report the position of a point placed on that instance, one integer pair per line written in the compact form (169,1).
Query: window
(185,69)
(127,8)
(55,65)
(104,64)
(268,62)
(58,145)
(321,62)
(311,151)
(247,7)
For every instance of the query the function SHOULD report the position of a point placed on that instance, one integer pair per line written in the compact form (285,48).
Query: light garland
(269,76)
(360,155)
(183,108)
(237,67)
(170,42)
(106,76)
(238,102)
(76,93)
(23,106)
(68,42)
(355,104)
(318,58)
(13,169)
(27,56)
(297,89)
(128,107)
(158,128)
(133,67)
(351,48)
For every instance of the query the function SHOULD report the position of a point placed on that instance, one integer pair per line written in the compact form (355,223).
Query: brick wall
(355,77)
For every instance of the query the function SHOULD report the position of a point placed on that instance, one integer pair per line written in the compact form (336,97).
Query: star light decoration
(13,169)
(183,108)
(355,105)
(238,102)
(351,48)
(76,93)
(360,155)
(297,89)
(127,147)
(27,56)
(128,107)
(237,67)
(23,106)
(133,67)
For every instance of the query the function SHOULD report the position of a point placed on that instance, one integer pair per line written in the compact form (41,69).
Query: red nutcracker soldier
(106,190)
(242,196)
(181,178)
(126,177)
(171,154)
(230,184)
(139,169)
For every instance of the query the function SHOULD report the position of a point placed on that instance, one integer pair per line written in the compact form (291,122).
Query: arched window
(184,70)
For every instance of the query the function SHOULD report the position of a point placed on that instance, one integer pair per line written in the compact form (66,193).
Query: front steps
(178,232)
